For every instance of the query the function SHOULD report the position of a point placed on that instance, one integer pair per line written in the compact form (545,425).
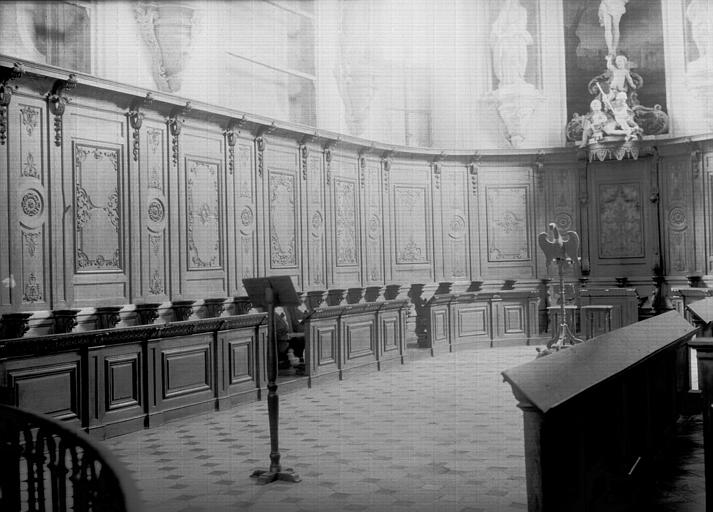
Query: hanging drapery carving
(515,98)
(168,30)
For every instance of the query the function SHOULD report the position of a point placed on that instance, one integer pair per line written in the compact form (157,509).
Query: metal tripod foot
(265,476)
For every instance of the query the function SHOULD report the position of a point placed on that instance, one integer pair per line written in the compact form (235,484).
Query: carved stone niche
(182,309)
(213,307)
(146,313)
(167,29)
(107,317)
(64,320)
(14,325)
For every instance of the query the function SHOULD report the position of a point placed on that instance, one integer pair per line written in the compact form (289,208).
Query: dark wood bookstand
(268,292)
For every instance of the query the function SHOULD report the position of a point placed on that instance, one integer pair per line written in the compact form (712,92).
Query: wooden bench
(596,413)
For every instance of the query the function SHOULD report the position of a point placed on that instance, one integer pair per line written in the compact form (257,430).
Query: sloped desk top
(550,381)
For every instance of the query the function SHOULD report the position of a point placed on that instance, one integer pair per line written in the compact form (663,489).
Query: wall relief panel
(155,214)
(508,223)
(455,225)
(621,227)
(246,212)
(679,214)
(411,224)
(97,208)
(315,220)
(374,225)
(32,206)
(202,215)
(283,217)
(345,222)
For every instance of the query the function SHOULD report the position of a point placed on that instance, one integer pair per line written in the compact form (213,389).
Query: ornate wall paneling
(582,173)
(95,204)
(155,181)
(507,209)
(243,217)
(385,165)
(623,221)
(678,221)
(202,241)
(373,252)
(29,203)
(345,243)
(411,215)
(558,193)
(315,230)
(451,223)
(281,223)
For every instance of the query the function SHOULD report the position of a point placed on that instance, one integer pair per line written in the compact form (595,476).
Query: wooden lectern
(268,292)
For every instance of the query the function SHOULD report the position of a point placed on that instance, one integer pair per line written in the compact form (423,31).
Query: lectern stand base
(265,476)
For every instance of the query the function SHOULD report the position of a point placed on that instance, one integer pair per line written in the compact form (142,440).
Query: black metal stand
(275,472)
(563,335)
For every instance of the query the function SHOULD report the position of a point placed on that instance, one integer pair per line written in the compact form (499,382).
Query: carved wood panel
(345,221)
(506,206)
(95,206)
(30,206)
(454,228)
(315,232)
(677,195)
(245,213)
(373,222)
(282,211)
(622,237)
(708,170)
(201,242)
(154,215)
(411,214)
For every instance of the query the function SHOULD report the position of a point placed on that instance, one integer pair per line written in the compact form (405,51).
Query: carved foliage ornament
(29,118)
(203,220)
(6,91)
(58,101)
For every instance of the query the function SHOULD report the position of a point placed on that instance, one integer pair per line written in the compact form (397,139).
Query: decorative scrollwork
(136,118)
(28,117)
(175,124)
(57,103)
(473,168)
(32,291)
(6,91)
(29,168)
(328,163)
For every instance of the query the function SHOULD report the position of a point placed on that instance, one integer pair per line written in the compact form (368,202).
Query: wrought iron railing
(46,466)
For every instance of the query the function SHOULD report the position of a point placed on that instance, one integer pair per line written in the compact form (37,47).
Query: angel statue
(562,249)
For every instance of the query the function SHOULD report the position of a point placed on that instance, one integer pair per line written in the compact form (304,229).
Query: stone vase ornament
(168,30)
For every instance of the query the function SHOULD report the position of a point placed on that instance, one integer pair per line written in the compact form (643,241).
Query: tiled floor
(436,434)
